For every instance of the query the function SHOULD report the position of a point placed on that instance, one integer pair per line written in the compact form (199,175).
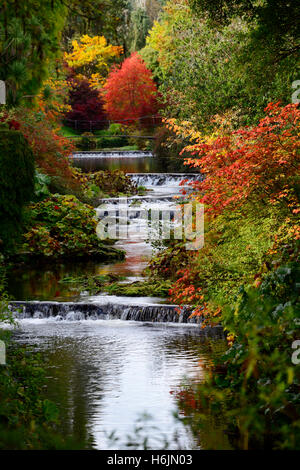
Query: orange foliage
(251,163)
(51,150)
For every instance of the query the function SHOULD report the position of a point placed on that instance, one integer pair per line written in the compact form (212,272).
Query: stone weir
(79,311)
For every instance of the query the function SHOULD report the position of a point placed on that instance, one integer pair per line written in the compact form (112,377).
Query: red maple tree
(130,92)
(251,163)
(87,106)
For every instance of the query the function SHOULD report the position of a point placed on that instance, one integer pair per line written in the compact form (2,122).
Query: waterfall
(162,179)
(111,154)
(79,311)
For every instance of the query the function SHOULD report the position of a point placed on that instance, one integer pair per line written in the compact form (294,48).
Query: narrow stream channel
(104,370)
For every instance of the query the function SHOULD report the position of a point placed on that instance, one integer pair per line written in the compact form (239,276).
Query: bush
(110,138)
(254,389)
(50,150)
(62,226)
(111,142)
(87,142)
(16,183)
(106,183)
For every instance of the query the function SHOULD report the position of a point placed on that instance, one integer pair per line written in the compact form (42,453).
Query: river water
(115,381)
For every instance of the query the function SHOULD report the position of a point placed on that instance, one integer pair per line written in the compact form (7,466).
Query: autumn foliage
(86,105)
(51,151)
(251,163)
(247,173)
(130,92)
(90,58)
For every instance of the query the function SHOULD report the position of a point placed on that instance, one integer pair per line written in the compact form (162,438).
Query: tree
(278,17)
(111,17)
(259,164)
(91,57)
(140,27)
(274,25)
(206,67)
(86,105)
(16,183)
(29,40)
(130,92)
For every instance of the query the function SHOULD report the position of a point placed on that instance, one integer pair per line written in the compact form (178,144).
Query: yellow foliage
(93,54)
(54,107)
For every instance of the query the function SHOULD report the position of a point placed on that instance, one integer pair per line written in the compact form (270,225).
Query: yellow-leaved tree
(91,58)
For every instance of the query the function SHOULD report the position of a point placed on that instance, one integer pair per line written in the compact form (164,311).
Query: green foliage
(111,142)
(114,285)
(62,226)
(167,151)
(140,26)
(92,284)
(150,288)
(100,184)
(111,17)
(87,142)
(29,39)
(16,184)
(41,186)
(206,69)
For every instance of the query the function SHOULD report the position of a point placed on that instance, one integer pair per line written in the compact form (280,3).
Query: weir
(160,179)
(111,154)
(79,311)
(162,189)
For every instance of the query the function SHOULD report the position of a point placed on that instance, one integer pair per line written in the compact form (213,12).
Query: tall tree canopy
(209,67)
(91,57)
(276,19)
(130,92)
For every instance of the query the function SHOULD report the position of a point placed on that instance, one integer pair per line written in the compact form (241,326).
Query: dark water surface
(131,162)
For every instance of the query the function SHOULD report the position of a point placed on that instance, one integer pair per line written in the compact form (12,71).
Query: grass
(69,132)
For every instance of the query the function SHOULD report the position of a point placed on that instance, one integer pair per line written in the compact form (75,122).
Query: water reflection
(105,374)
(127,164)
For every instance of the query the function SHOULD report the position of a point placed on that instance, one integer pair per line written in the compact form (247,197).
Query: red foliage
(87,105)
(249,163)
(12,123)
(51,150)
(130,92)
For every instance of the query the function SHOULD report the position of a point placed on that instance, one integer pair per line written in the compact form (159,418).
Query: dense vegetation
(226,76)
(16,183)
(222,73)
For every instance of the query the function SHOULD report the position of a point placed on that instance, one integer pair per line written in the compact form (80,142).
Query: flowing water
(113,360)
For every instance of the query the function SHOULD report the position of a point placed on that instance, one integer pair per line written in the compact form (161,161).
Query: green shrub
(62,226)
(105,183)
(16,183)
(111,142)
(87,142)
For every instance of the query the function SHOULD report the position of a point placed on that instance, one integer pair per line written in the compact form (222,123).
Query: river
(115,379)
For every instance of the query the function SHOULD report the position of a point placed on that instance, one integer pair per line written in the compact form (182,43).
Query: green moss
(156,288)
